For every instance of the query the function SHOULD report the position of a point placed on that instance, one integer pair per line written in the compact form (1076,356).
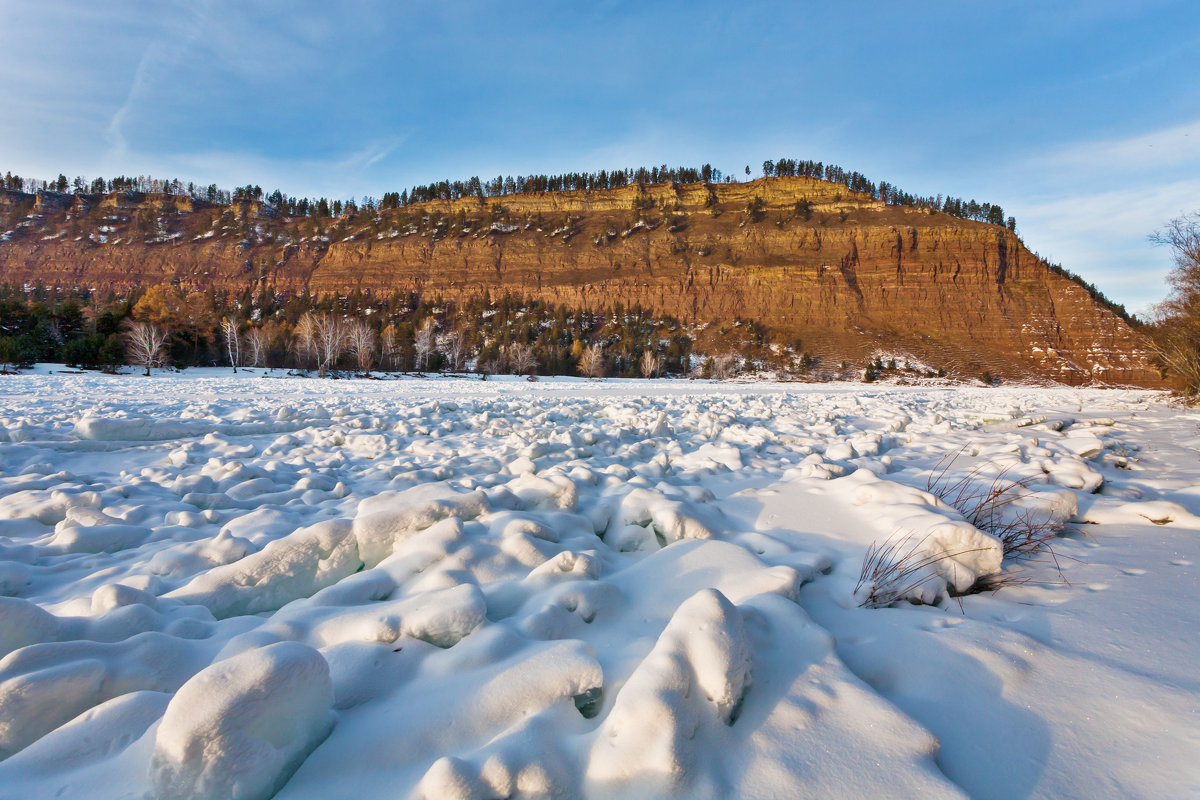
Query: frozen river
(231,586)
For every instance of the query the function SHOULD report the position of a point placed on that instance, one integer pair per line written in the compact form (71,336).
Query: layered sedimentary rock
(841,272)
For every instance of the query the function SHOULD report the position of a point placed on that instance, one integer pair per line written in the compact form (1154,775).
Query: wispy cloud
(1168,147)
(376,153)
(1092,204)
(1138,210)
(118,144)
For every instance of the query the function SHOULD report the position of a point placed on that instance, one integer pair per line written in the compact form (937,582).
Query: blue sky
(1081,118)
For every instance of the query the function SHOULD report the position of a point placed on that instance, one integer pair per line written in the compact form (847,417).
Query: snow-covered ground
(226,587)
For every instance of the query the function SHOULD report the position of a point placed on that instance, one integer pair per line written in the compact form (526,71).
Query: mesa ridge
(844,273)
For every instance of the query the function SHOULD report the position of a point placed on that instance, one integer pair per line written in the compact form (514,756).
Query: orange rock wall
(854,278)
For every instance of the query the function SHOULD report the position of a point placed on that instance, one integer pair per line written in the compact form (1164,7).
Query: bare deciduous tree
(1176,332)
(256,347)
(305,343)
(725,366)
(454,344)
(145,345)
(330,341)
(390,346)
(362,344)
(521,359)
(651,363)
(623,356)
(425,342)
(232,341)
(92,313)
(591,362)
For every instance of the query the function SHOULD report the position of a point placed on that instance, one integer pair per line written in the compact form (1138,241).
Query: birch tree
(330,340)
(362,345)
(521,359)
(651,363)
(391,347)
(232,341)
(591,362)
(256,347)
(425,342)
(455,345)
(145,345)
(305,342)
(725,366)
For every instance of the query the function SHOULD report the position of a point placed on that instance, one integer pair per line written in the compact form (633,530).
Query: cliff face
(842,272)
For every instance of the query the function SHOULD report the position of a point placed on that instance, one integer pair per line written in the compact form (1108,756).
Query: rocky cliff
(843,273)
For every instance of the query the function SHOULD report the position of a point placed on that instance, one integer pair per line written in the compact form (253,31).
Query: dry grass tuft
(894,569)
(1024,534)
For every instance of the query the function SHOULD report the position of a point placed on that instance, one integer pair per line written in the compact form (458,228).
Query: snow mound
(296,566)
(386,520)
(96,735)
(695,677)
(14,577)
(46,685)
(241,727)
(138,429)
(98,538)
(23,623)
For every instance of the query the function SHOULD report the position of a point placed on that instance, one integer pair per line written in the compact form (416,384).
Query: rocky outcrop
(842,272)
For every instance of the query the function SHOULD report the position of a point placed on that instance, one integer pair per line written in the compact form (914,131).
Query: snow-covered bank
(216,586)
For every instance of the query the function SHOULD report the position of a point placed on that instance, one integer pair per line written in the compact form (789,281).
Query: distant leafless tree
(232,341)
(1176,331)
(92,313)
(305,342)
(330,340)
(425,342)
(623,355)
(725,366)
(651,363)
(145,345)
(1179,353)
(591,362)
(454,344)
(362,344)
(256,347)
(389,346)
(521,358)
